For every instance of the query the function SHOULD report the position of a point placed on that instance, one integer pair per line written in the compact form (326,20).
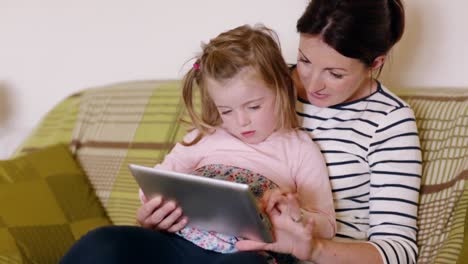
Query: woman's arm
(395,164)
(298,239)
(330,251)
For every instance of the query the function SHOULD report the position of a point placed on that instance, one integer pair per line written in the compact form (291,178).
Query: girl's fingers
(170,219)
(147,209)
(179,225)
(161,213)
(142,196)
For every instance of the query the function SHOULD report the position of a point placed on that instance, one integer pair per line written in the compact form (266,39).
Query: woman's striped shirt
(372,151)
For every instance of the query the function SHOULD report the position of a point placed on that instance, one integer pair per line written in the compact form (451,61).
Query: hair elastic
(196,66)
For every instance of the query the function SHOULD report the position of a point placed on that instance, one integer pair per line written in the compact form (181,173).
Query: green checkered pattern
(46,204)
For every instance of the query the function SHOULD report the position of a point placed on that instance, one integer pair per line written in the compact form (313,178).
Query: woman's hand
(160,214)
(292,231)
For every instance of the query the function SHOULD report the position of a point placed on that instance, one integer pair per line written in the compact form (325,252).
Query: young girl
(246,132)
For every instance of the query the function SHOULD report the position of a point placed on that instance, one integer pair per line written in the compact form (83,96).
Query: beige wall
(52,48)
(433,50)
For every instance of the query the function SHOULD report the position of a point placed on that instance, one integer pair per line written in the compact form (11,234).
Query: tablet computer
(210,204)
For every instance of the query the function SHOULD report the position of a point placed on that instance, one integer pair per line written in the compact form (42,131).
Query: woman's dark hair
(359,29)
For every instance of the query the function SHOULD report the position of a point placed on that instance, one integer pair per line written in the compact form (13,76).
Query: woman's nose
(314,84)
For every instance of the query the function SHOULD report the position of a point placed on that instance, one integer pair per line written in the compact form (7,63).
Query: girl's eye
(336,75)
(226,112)
(256,107)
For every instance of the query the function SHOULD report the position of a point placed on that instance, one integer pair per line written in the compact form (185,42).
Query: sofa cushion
(109,127)
(46,203)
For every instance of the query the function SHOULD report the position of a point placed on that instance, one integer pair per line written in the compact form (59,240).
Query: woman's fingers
(274,200)
(309,225)
(284,204)
(293,231)
(293,208)
(250,245)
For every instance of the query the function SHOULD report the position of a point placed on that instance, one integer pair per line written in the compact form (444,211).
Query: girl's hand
(160,214)
(292,231)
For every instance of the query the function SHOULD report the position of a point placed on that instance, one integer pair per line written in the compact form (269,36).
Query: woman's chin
(319,102)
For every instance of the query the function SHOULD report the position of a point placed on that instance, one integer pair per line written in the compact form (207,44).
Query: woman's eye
(336,75)
(303,60)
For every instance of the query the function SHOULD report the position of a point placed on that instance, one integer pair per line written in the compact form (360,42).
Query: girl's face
(329,78)
(246,105)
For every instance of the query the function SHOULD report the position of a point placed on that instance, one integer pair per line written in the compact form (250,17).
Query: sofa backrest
(137,122)
(442,120)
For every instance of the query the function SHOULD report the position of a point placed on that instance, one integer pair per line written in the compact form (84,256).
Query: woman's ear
(378,62)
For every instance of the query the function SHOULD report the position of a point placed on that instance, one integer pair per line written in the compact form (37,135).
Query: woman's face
(329,78)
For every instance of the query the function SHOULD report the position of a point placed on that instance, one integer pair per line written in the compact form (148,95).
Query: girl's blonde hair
(224,57)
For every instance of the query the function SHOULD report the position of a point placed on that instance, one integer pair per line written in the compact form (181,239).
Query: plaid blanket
(137,122)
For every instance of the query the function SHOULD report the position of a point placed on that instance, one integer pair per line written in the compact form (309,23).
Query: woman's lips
(248,133)
(318,95)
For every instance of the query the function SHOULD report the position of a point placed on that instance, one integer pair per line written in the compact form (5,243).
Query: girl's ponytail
(187,96)
(191,79)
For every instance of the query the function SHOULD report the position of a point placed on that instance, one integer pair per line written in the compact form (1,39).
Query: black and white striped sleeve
(395,164)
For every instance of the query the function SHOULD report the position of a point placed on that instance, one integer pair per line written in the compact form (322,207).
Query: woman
(367,135)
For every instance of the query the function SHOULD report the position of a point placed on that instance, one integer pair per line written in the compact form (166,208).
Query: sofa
(108,127)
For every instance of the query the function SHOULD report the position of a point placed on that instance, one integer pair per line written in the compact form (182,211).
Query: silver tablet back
(210,204)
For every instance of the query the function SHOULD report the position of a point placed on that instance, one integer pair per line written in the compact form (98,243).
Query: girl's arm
(180,159)
(313,188)
(184,158)
(159,213)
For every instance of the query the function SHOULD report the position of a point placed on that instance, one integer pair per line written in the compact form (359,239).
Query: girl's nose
(243,119)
